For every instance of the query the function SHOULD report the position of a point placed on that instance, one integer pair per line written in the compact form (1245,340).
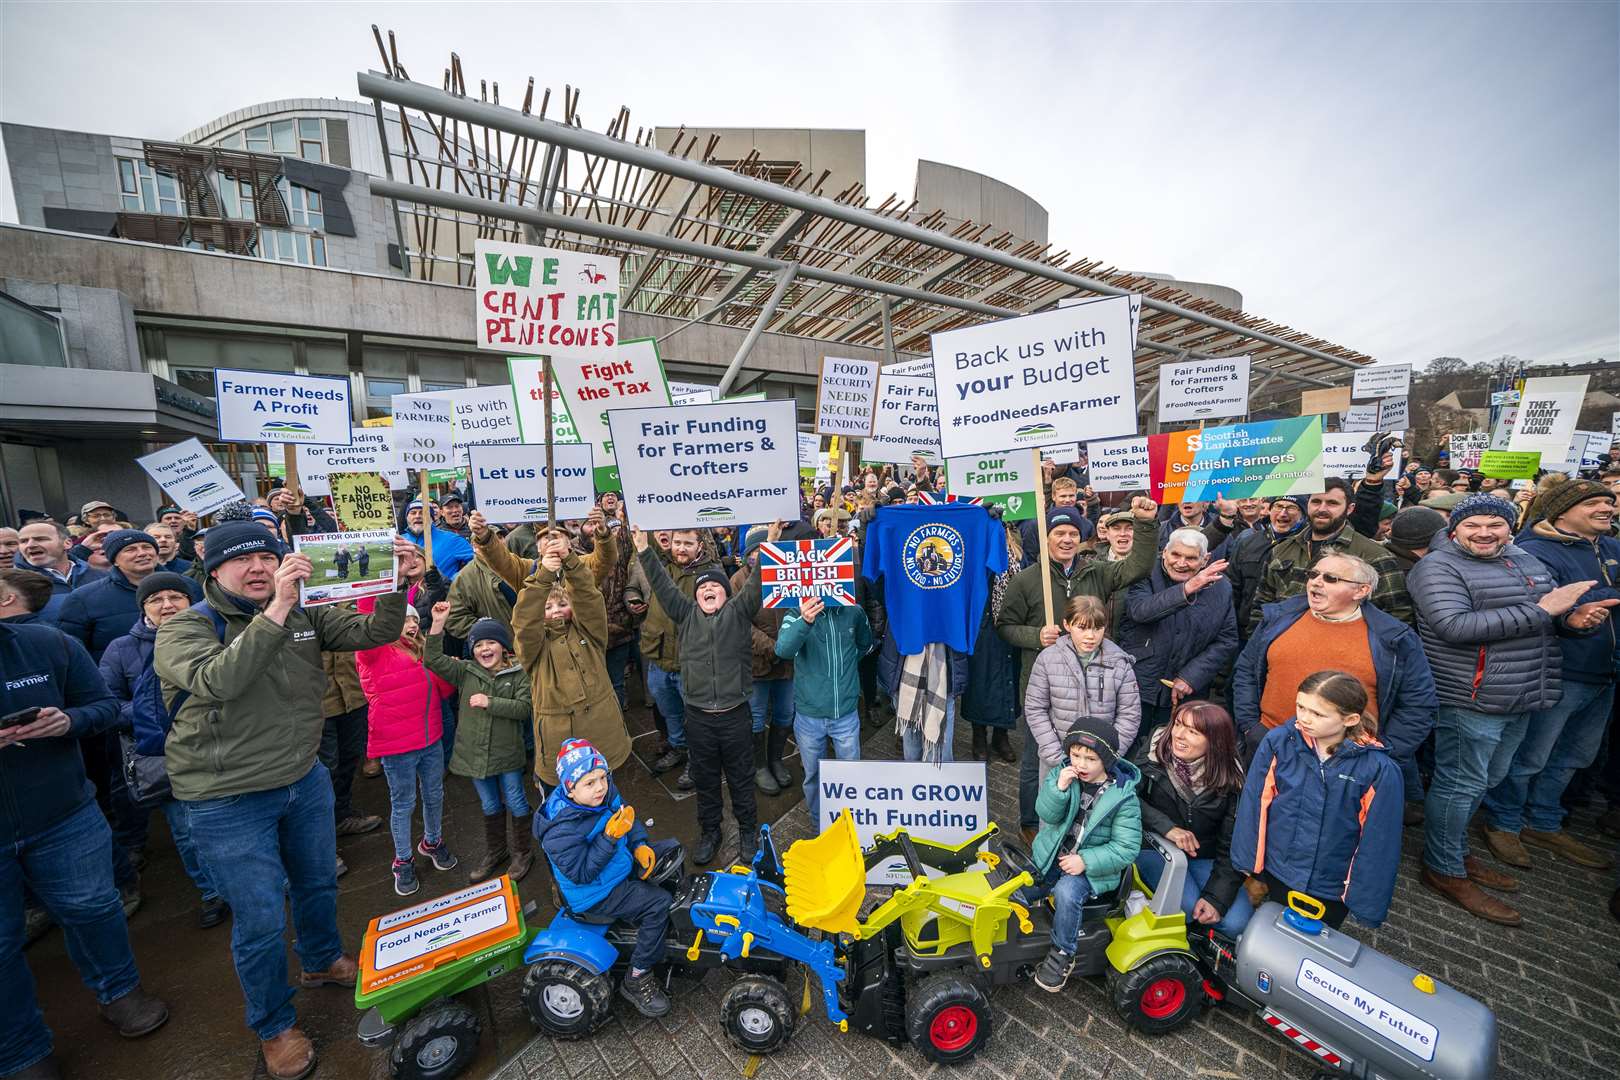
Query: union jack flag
(792,569)
(929,499)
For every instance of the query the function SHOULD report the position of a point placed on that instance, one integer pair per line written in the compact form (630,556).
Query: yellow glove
(620,822)
(644,858)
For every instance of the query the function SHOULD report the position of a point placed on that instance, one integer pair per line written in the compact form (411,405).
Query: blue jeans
(69,868)
(618,658)
(1472,752)
(180,830)
(450,715)
(260,848)
(664,687)
(1558,742)
(774,696)
(505,788)
(1069,896)
(911,740)
(812,733)
(1151,864)
(404,772)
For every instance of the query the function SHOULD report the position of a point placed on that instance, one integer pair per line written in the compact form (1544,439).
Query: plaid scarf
(1187,777)
(922,698)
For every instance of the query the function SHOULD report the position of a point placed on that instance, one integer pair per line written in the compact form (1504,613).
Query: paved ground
(1554,985)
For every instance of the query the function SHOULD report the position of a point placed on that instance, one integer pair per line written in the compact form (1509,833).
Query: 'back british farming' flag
(790,570)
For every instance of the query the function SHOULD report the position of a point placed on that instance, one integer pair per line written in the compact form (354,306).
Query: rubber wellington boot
(775,747)
(764,779)
(495,852)
(522,847)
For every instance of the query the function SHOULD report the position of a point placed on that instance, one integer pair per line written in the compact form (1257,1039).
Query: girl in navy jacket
(1321,810)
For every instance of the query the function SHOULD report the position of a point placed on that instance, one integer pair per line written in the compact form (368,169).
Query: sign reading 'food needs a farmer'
(545,300)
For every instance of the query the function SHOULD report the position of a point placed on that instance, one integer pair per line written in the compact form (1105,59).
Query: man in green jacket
(1328,532)
(245,683)
(681,554)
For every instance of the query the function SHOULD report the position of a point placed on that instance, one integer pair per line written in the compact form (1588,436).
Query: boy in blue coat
(601,856)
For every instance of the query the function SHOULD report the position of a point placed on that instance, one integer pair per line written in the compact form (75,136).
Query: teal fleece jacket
(826,682)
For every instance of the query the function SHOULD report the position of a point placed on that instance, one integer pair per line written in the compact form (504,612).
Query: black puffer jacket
(1210,816)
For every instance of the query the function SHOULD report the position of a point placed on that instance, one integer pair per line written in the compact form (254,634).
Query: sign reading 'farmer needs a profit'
(1036,380)
(727,463)
(1238,461)
(265,407)
(545,300)
(511,481)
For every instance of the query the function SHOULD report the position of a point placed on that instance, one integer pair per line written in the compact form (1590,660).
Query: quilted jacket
(1061,691)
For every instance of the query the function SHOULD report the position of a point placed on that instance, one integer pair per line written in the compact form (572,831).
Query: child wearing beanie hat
(601,857)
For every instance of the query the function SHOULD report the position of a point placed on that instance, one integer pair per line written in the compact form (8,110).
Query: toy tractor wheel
(566,999)
(758,1014)
(436,1044)
(1158,995)
(948,1018)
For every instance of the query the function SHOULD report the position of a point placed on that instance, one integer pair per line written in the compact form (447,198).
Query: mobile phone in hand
(20,718)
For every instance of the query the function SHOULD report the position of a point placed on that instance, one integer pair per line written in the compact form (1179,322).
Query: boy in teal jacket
(825,644)
(1091,832)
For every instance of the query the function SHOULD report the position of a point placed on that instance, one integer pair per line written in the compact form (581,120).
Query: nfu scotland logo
(932,556)
(1034,432)
(285,427)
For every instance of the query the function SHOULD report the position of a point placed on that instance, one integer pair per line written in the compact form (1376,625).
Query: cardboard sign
(1204,389)
(1036,380)
(1394,414)
(1359,418)
(545,300)
(480,416)
(1239,461)
(907,422)
(361,501)
(422,435)
(437,932)
(1335,399)
(846,396)
(1466,449)
(511,481)
(1548,412)
(1119,464)
(1344,454)
(630,377)
(189,475)
(790,570)
(725,463)
(370,451)
(1382,381)
(1383,1018)
(528,380)
(268,407)
(347,566)
(1596,451)
(943,803)
(1007,479)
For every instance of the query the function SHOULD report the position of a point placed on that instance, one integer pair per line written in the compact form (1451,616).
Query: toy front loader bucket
(825,878)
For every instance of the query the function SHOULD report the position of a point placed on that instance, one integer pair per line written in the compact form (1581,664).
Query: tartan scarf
(922,697)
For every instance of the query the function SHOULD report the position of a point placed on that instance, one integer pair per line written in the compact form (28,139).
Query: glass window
(281,136)
(326,358)
(317,254)
(205,352)
(379,393)
(233,141)
(309,127)
(197,380)
(446,372)
(258,138)
(128,187)
(310,151)
(491,371)
(168,194)
(149,197)
(230,199)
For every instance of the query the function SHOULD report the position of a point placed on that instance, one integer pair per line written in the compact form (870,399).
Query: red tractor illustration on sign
(590,274)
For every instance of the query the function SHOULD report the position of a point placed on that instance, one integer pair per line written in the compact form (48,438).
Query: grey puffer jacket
(1062,690)
(1492,649)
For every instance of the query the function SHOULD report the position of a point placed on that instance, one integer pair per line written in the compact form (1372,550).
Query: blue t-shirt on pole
(933,562)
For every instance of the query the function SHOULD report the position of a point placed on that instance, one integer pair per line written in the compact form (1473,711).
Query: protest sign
(1007,479)
(190,476)
(1504,397)
(371,450)
(689,393)
(1238,461)
(1510,464)
(1596,450)
(361,501)
(347,566)
(1119,464)
(511,481)
(846,396)
(545,300)
(1394,414)
(1344,454)
(725,463)
(809,452)
(1335,399)
(480,416)
(528,379)
(1204,389)
(1018,382)
(1502,430)
(627,377)
(267,407)
(1136,310)
(1063,454)
(907,421)
(942,803)
(422,438)
(1381,381)
(1614,425)
(1359,418)
(922,366)
(1466,449)
(790,570)
(1549,409)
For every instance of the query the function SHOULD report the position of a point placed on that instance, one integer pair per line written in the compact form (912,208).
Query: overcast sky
(1406,180)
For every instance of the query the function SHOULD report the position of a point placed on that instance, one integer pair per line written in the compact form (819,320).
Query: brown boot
(341,973)
(288,1056)
(1566,847)
(1483,875)
(1507,848)
(1471,898)
(495,853)
(1029,833)
(522,848)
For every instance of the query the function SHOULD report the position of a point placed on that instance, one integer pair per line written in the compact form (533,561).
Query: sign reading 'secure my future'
(266,407)
(727,463)
(511,481)
(545,300)
(1036,380)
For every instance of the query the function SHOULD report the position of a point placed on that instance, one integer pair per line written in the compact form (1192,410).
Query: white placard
(1066,454)
(481,416)
(511,481)
(943,803)
(846,396)
(1393,413)
(630,377)
(1614,425)
(267,407)
(347,566)
(370,450)
(1597,448)
(1344,454)
(907,421)
(809,450)
(189,475)
(1467,448)
(1548,412)
(401,946)
(725,463)
(422,432)
(1136,310)
(528,395)
(1382,381)
(1383,1018)
(1359,418)
(1204,389)
(1119,464)
(922,366)
(1036,380)
(687,393)
(545,300)
(439,903)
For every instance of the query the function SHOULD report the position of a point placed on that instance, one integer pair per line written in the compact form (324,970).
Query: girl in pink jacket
(405,727)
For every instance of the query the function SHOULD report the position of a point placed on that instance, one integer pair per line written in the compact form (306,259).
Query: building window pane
(197,380)
(317,250)
(441,368)
(310,151)
(309,127)
(281,136)
(301,248)
(258,138)
(126,176)
(149,193)
(490,371)
(326,358)
(284,246)
(233,141)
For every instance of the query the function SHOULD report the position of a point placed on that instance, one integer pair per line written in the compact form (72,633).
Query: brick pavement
(1553,984)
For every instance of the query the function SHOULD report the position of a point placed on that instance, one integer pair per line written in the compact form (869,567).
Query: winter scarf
(1187,777)
(922,698)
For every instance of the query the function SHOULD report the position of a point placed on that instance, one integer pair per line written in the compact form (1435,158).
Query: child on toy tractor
(601,856)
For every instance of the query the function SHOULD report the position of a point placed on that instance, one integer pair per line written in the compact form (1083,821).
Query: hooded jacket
(99,613)
(826,655)
(489,740)
(587,862)
(80,574)
(1209,815)
(716,650)
(660,642)
(1062,690)
(1173,637)
(1111,835)
(1331,829)
(343,691)
(1592,657)
(405,701)
(450,552)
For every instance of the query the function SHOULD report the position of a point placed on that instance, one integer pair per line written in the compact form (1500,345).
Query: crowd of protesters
(1187,670)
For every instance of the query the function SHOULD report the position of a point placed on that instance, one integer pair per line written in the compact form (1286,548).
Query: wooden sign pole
(427,517)
(551,479)
(1040,527)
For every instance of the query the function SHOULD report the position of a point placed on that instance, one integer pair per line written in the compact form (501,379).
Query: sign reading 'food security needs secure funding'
(846,396)
(266,407)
